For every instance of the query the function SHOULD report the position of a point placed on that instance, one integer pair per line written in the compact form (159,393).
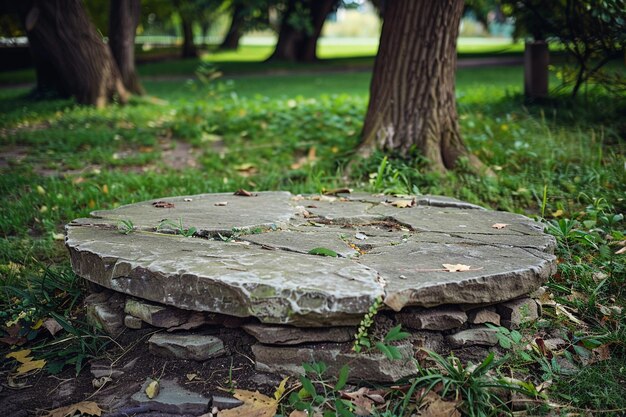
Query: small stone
(369,367)
(516,312)
(186,346)
(443,318)
(156,315)
(286,335)
(172,398)
(106,317)
(132,322)
(484,315)
(225,403)
(479,336)
(538,292)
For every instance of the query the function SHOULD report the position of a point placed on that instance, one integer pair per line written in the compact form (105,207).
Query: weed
(126,226)
(361,338)
(176,227)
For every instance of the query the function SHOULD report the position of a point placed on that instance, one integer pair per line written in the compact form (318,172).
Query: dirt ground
(43,392)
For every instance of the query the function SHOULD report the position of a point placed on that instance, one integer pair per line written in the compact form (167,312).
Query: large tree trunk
(412,100)
(69,54)
(235,31)
(189,48)
(123,21)
(300,44)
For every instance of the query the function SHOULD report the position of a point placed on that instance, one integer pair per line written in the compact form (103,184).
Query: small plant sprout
(361,338)
(126,226)
(177,228)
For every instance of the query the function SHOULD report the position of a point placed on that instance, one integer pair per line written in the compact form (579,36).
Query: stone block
(482,336)
(516,312)
(156,315)
(132,322)
(106,317)
(172,398)
(484,315)
(363,367)
(441,318)
(286,335)
(195,347)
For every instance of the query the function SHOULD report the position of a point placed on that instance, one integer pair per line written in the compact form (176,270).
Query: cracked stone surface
(249,258)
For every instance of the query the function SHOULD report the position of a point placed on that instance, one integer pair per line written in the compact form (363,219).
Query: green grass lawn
(562,160)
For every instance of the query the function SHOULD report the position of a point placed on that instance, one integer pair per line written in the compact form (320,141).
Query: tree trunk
(69,54)
(300,44)
(235,31)
(536,75)
(412,101)
(123,21)
(189,48)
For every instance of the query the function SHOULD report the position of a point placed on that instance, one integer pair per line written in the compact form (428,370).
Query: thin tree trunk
(70,56)
(123,21)
(235,30)
(412,100)
(300,44)
(189,48)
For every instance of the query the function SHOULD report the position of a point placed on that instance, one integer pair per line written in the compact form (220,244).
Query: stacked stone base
(283,349)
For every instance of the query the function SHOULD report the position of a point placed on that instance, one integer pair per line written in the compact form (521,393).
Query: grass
(297,132)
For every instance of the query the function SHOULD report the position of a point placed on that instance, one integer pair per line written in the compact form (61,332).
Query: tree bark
(412,100)
(300,44)
(123,21)
(235,30)
(189,48)
(70,56)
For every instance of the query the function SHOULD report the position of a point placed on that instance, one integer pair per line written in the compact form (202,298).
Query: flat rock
(287,335)
(482,336)
(441,318)
(370,367)
(156,315)
(172,398)
(517,312)
(195,347)
(265,270)
(484,315)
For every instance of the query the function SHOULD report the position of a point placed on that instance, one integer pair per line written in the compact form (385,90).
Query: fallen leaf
(338,191)
(255,404)
(562,310)
(58,236)
(105,189)
(298,413)
(327,198)
(280,391)
(163,204)
(243,193)
(152,390)
(360,236)
(456,267)
(30,366)
(191,377)
(21,355)
(364,405)
(323,252)
(558,213)
(435,406)
(100,382)
(499,225)
(621,251)
(403,203)
(52,326)
(221,203)
(84,407)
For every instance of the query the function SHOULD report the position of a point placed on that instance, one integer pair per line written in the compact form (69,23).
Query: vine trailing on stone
(361,338)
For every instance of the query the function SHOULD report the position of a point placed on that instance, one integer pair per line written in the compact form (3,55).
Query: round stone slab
(259,256)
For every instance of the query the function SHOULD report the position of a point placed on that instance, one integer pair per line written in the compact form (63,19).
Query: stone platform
(273,258)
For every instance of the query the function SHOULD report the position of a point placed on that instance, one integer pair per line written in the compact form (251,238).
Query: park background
(217,118)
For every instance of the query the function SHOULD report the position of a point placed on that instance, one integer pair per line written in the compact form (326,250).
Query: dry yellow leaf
(298,413)
(89,408)
(456,267)
(499,225)
(191,377)
(20,356)
(30,366)
(403,203)
(280,391)
(255,404)
(152,390)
